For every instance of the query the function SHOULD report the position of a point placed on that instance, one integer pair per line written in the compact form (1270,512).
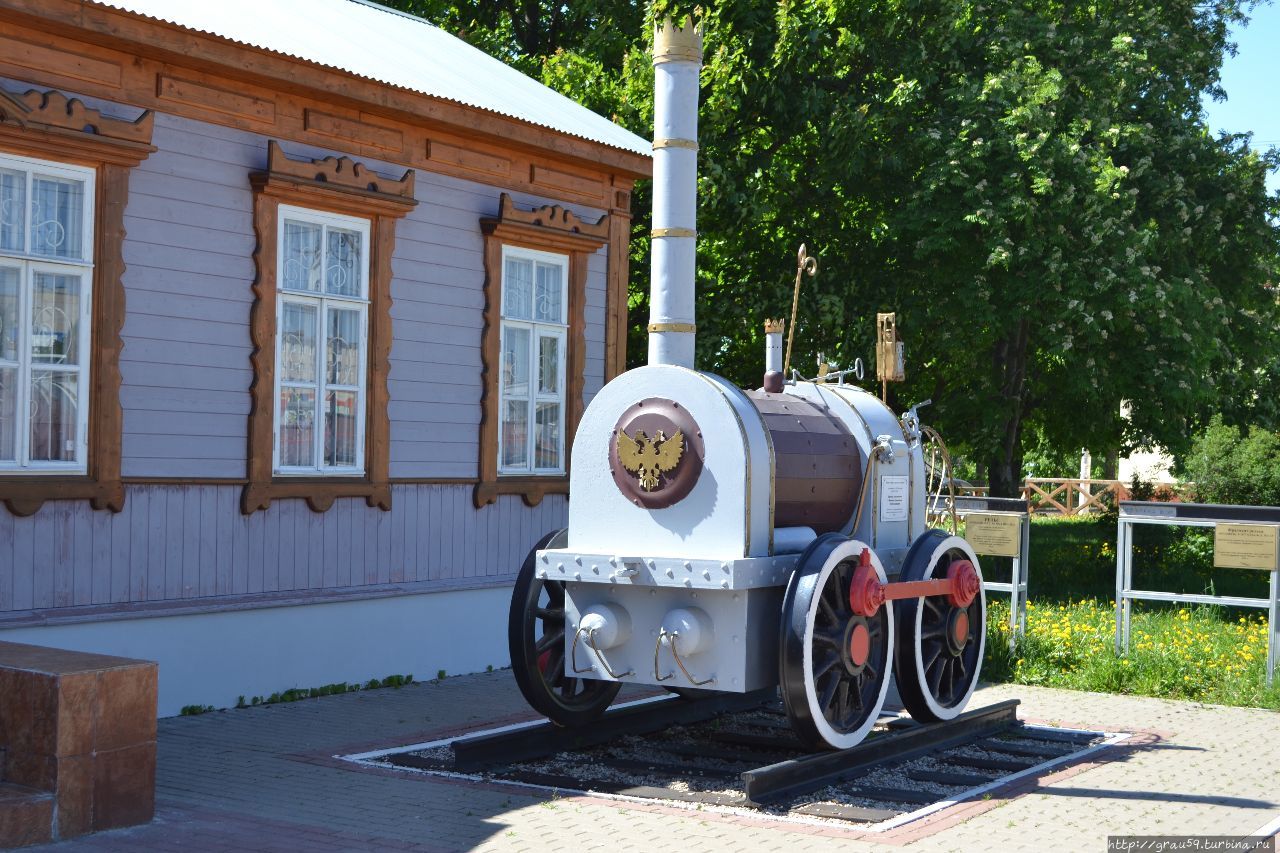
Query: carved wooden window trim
(547,229)
(48,125)
(333,185)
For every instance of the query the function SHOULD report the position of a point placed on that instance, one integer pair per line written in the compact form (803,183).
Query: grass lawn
(1208,654)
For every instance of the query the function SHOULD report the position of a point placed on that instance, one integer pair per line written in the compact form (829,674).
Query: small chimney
(677,60)
(773,378)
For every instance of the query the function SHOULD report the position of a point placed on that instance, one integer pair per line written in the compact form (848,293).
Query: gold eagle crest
(647,458)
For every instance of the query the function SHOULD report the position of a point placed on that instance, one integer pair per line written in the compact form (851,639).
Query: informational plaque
(893,498)
(995,534)
(1245,546)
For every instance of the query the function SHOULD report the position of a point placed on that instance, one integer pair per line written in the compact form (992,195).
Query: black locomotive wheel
(939,648)
(833,665)
(536,635)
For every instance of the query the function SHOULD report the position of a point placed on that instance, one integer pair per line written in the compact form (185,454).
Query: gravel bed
(591,767)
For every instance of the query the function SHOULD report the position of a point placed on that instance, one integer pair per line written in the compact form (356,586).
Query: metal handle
(656,647)
(591,638)
(675,653)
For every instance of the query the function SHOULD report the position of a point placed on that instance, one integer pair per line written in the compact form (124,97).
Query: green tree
(1234,467)
(1030,185)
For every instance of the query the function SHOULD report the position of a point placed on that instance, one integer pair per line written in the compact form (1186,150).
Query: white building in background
(1153,464)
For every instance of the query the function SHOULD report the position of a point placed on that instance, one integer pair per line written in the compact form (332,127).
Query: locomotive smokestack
(677,60)
(773,378)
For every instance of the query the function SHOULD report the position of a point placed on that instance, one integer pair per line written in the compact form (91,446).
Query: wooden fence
(1072,496)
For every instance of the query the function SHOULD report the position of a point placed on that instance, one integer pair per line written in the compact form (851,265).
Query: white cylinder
(692,629)
(677,62)
(792,540)
(773,352)
(610,622)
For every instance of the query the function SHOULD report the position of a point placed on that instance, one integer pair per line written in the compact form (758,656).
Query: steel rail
(475,753)
(809,773)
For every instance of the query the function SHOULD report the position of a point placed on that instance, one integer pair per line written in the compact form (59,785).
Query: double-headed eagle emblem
(648,458)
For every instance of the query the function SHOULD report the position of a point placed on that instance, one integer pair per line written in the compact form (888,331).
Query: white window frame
(537,329)
(322,302)
(29,264)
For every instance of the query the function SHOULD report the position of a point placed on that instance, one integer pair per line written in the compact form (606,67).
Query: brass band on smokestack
(677,61)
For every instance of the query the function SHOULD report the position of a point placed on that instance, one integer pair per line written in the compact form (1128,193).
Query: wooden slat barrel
(818,466)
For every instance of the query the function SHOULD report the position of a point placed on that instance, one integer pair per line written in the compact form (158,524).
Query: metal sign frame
(1190,515)
(1017,585)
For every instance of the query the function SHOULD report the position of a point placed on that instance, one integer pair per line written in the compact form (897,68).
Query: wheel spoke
(843,705)
(929,630)
(821,669)
(934,677)
(828,638)
(568,687)
(555,666)
(932,603)
(548,641)
(828,693)
(826,610)
(547,614)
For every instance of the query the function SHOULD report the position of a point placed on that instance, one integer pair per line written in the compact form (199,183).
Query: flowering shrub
(1192,653)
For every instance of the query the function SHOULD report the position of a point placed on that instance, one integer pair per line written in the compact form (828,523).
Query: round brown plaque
(655,453)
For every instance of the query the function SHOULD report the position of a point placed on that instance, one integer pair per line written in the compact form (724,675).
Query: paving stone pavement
(260,779)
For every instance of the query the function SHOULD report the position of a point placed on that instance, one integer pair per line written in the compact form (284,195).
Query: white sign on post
(893,498)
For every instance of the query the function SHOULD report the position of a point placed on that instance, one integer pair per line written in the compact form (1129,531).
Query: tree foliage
(1030,185)
(1234,467)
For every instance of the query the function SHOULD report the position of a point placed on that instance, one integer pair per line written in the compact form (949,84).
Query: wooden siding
(185,363)
(181,543)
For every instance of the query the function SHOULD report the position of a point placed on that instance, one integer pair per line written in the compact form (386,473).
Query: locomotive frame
(733,540)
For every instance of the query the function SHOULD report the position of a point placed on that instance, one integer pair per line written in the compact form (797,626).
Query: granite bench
(77,743)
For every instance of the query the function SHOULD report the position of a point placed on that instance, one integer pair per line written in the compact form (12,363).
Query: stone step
(26,816)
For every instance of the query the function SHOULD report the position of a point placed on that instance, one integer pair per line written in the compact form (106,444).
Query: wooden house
(300,301)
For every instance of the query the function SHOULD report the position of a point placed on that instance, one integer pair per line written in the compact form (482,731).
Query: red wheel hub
(544,660)
(960,628)
(965,583)
(859,645)
(866,593)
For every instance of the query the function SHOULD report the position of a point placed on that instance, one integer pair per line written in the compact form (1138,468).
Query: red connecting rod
(867,594)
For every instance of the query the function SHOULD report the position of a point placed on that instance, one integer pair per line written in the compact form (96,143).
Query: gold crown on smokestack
(772,327)
(676,42)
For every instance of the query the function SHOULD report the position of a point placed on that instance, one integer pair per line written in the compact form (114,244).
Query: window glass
(548,307)
(343,263)
(515,435)
(517,286)
(340,413)
(10,284)
(55,319)
(548,364)
(54,416)
(301,255)
(57,217)
(547,439)
(13,209)
(343,360)
(297,416)
(298,343)
(515,361)
(8,414)
(321,341)
(531,392)
(45,295)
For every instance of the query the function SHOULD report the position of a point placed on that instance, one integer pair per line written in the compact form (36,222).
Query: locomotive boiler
(731,540)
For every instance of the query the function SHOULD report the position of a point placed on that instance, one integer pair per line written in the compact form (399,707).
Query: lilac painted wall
(185,394)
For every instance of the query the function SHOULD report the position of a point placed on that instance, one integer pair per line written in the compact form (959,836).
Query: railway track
(738,751)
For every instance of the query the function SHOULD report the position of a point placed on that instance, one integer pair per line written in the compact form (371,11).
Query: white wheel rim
(843,740)
(941,711)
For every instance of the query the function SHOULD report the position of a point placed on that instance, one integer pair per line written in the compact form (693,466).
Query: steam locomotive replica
(732,540)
